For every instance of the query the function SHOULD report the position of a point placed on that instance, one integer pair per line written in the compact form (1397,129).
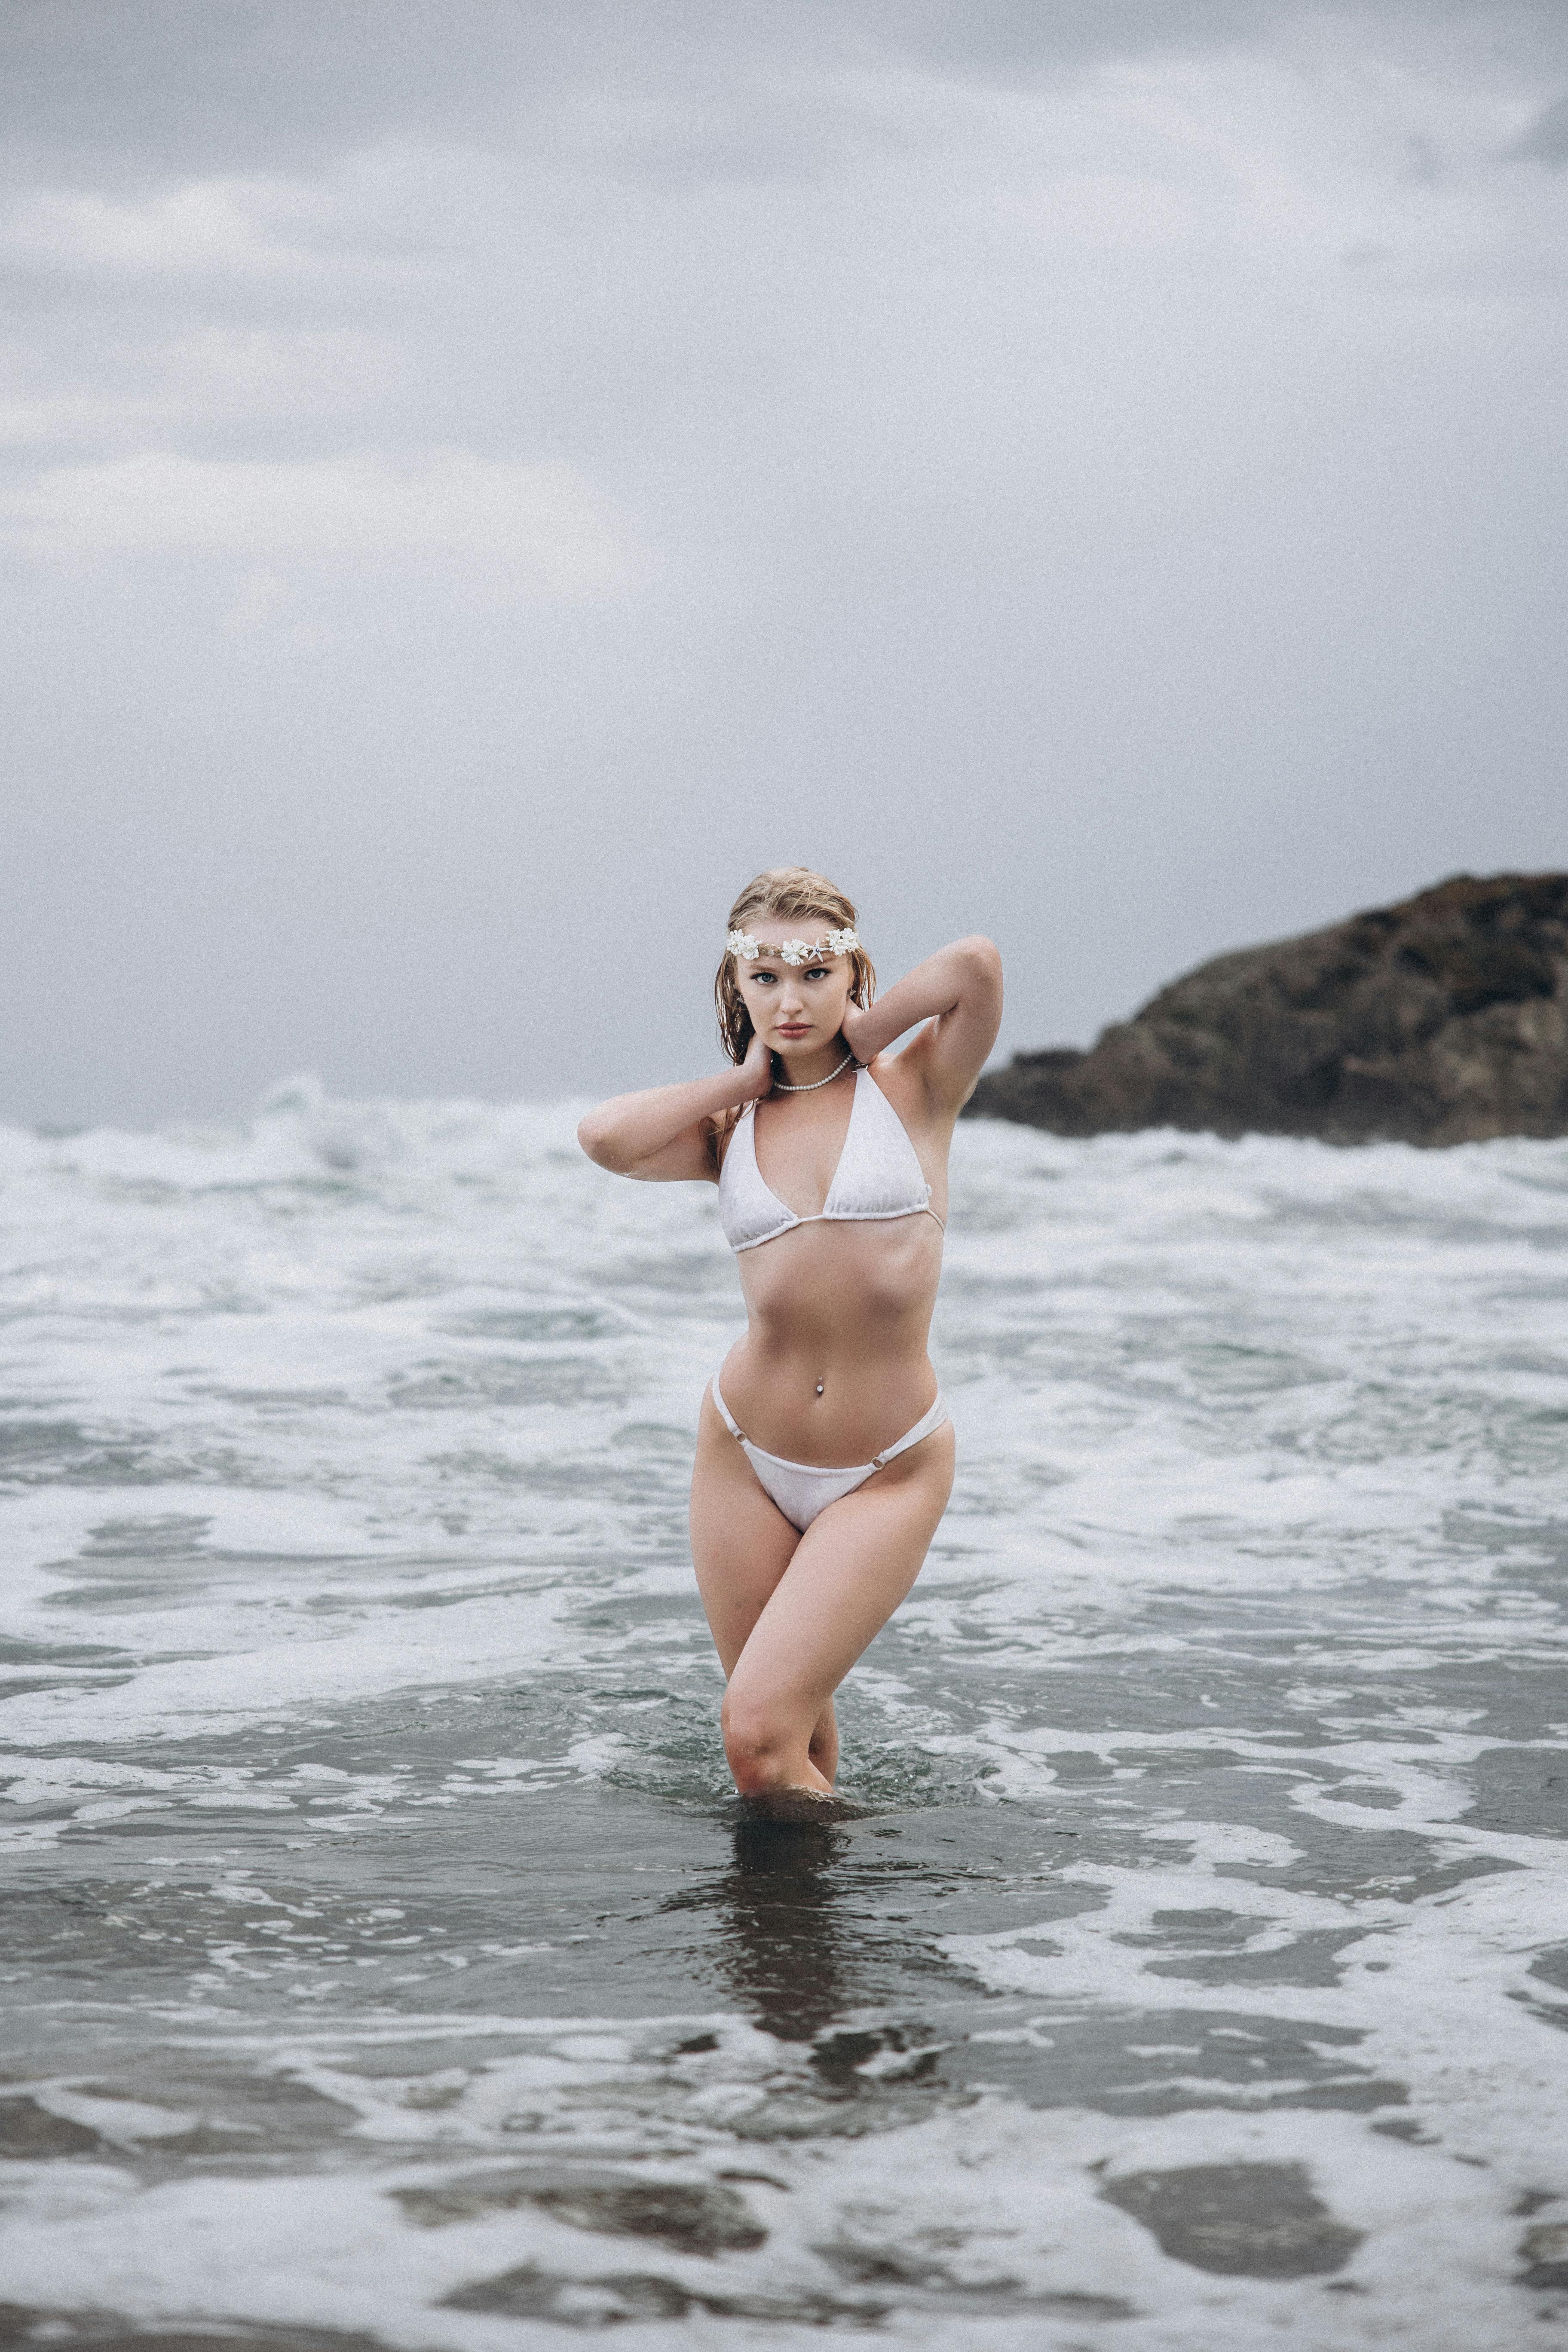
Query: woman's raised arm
(958,991)
(661,1134)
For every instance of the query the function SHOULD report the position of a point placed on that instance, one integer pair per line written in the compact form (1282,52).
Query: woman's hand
(958,992)
(852,1030)
(666,1133)
(757,1069)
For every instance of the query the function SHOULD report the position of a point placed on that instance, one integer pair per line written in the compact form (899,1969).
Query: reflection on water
(783,1943)
(386,1961)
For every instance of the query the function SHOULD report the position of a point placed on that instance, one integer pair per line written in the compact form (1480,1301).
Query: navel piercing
(819,1388)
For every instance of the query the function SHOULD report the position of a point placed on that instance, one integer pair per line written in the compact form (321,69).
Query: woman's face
(794,1008)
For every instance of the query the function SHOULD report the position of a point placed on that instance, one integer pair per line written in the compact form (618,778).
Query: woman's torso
(844,1300)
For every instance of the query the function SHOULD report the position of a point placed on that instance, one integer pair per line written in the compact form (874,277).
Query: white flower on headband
(793,951)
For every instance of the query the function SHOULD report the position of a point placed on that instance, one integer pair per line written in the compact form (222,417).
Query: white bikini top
(877,1175)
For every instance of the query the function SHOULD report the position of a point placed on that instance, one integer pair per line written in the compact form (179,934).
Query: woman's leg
(840,1585)
(740,1546)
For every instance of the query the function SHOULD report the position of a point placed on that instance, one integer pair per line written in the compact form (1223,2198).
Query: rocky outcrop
(1441,1020)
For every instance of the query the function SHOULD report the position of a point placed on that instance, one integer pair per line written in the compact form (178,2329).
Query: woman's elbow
(593,1136)
(982,957)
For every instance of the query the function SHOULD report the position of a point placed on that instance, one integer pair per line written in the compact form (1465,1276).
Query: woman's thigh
(742,1542)
(848,1572)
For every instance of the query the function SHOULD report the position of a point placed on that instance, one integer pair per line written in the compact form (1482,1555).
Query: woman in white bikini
(823,1450)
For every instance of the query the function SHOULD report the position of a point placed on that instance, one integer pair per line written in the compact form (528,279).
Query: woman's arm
(662,1133)
(958,991)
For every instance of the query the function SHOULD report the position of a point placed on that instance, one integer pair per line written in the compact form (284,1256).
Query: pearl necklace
(780,1088)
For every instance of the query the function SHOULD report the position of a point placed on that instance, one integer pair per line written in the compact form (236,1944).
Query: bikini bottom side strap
(730,1423)
(927,1424)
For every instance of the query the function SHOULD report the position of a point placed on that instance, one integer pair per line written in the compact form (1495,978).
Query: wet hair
(795,894)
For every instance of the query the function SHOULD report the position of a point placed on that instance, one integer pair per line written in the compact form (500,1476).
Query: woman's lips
(794,1029)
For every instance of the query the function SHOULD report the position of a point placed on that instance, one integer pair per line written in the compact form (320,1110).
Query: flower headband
(793,951)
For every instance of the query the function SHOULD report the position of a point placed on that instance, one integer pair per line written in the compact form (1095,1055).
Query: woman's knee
(760,1738)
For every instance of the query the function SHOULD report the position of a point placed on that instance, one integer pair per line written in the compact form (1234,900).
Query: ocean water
(386,1961)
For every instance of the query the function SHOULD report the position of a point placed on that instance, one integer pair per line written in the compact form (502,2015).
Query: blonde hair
(796,895)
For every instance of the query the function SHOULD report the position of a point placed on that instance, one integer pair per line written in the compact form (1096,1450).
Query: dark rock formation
(1442,1019)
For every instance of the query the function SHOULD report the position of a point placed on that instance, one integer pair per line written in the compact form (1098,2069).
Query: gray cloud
(475,484)
(1546,141)
(210,85)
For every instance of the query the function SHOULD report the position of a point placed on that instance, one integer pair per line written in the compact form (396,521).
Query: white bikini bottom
(801,1489)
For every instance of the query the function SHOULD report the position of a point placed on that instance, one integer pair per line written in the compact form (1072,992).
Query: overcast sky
(479,479)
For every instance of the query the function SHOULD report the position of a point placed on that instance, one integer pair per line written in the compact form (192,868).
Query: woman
(823,1450)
